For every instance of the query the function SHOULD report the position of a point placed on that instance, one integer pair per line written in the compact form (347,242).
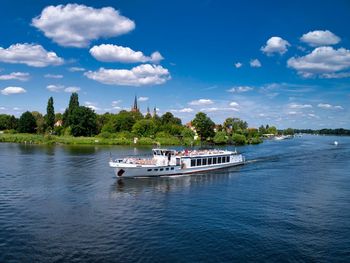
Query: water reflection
(171,183)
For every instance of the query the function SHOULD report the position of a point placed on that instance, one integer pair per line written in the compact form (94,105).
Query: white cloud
(240,89)
(184,110)
(76,69)
(322,61)
(55,88)
(201,102)
(238,64)
(71,89)
(215,109)
(234,104)
(320,38)
(29,54)
(76,25)
(13,90)
(114,53)
(22,76)
(328,106)
(53,76)
(115,103)
(92,105)
(299,106)
(145,74)
(275,45)
(255,63)
(143,99)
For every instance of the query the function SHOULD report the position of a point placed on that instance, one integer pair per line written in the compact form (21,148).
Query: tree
(220,138)
(168,118)
(239,139)
(50,114)
(83,121)
(234,125)
(8,122)
(144,128)
(27,123)
(73,104)
(288,131)
(271,130)
(40,122)
(204,125)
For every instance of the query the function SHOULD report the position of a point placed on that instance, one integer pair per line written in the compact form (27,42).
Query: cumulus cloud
(320,38)
(92,105)
(322,61)
(255,63)
(55,88)
(201,102)
(238,65)
(234,104)
(29,54)
(215,109)
(13,90)
(142,75)
(76,25)
(115,103)
(143,99)
(184,110)
(21,76)
(275,45)
(299,106)
(71,89)
(76,69)
(240,89)
(53,76)
(328,106)
(114,53)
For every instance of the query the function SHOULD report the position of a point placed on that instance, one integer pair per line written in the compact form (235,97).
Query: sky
(268,62)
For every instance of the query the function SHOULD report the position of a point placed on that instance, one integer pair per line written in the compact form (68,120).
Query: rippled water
(291,202)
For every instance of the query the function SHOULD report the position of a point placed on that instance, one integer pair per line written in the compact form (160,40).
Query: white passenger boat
(166,162)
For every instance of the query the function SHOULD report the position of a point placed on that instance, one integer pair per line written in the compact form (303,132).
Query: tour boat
(167,162)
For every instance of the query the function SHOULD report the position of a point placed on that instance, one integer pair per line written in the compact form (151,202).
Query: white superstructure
(167,162)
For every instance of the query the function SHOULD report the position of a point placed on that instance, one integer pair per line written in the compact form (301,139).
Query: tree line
(79,121)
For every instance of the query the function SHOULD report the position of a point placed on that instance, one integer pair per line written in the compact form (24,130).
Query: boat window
(219,159)
(156,170)
(154,153)
(214,160)
(148,170)
(204,161)
(199,162)
(228,159)
(172,168)
(209,161)
(161,169)
(193,162)
(167,169)
(178,161)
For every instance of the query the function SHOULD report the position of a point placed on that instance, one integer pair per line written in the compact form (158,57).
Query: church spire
(135,107)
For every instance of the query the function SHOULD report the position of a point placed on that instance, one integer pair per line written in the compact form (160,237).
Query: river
(289,203)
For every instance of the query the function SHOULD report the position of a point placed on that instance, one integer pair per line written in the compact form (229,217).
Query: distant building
(58,123)
(190,126)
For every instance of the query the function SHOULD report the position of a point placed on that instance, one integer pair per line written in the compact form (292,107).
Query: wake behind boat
(166,162)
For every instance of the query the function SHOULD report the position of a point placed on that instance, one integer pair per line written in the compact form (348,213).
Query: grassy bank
(70,140)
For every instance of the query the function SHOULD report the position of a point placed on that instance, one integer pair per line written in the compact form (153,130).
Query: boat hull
(171,170)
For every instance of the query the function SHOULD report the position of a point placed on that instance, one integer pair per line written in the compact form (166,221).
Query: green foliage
(73,104)
(168,118)
(255,140)
(187,133)
(204,125)
(271,130)
(239,139)
(144,128)
(288,131)
(40,122)
(8,122)
(50,114)
(83,121)
(220,138)
(27,123)
(123,121)
(235,125)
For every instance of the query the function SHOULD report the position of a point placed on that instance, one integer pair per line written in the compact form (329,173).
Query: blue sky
(285,64)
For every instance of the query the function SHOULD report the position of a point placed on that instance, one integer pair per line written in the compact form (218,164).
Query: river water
(290,203)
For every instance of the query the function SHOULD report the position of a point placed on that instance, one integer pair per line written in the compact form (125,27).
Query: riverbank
(70,140)
(28,138)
